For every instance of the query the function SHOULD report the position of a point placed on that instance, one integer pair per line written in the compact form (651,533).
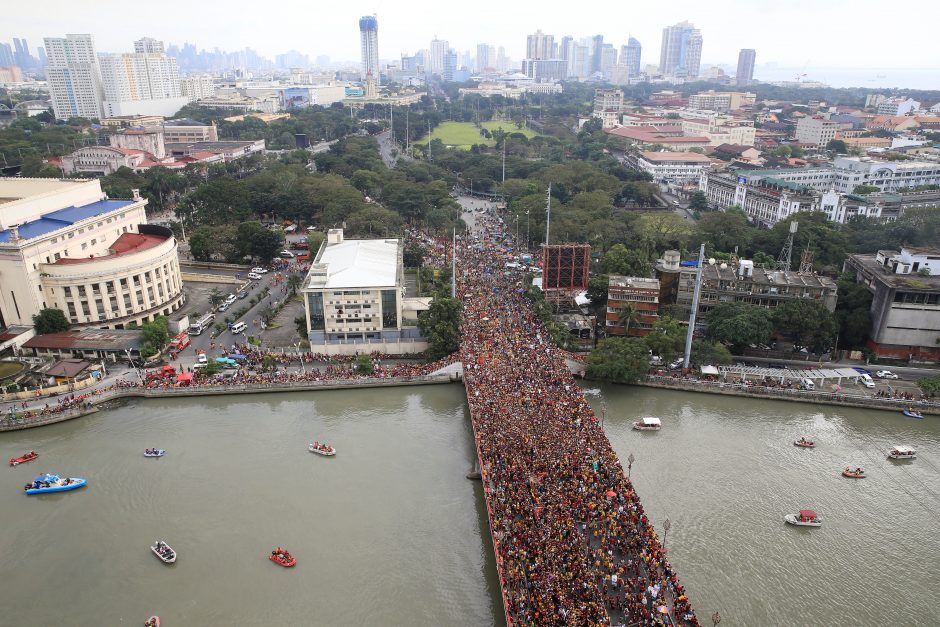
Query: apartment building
(722,101)
(74,77)
(632,305)
(817,130)
(673,167)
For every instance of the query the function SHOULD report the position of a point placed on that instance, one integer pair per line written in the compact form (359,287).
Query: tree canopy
(50,320)
(739,324)
(619,360)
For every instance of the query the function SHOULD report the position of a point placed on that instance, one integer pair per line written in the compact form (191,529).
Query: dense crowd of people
(574,545)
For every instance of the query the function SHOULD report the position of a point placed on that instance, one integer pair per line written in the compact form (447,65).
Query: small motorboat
(805,518)
(153,621)
(804,443)
(282,557)
(53,483)
(22,459)
(154,452)
(910,413)
(163,550)
(321,449)
(648,424)
(902,452)
(858,473)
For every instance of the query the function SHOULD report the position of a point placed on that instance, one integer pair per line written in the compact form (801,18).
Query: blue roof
(65,217)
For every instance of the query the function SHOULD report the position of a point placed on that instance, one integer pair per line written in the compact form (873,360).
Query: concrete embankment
(799,396)
(118,394)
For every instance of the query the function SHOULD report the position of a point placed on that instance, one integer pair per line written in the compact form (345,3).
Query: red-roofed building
(669,137)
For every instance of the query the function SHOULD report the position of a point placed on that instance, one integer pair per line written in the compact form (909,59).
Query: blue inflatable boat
(53,483)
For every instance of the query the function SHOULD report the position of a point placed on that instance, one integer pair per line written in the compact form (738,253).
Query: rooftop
(88,339)
(675,156)
(358,263)
(126,244)
(904,282)
(68,368)
(63,218)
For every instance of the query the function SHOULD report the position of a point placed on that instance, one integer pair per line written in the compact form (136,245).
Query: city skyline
(405,31)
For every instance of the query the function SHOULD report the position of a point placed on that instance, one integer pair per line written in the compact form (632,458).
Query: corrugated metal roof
(64,217)
(361,263)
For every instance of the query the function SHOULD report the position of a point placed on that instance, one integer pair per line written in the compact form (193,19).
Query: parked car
(253,275)
(259,270)
(243,294)
(286,254)
(886,374)
(677,363)
(202,359)
(866,380)
(224,306)
(230,299)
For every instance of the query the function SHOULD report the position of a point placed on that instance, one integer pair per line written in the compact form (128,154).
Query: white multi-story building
(196,87)
(721,101)
(816,130)
(608,104)
(74,77)
(681,52)
(436,53)
(674,167)
(354,298)
(720,130)
(66,245)
(141,82)
(149,45)
(897,106)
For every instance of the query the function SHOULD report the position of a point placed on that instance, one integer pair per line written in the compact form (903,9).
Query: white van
(807,384)
(239,327)
(866,380)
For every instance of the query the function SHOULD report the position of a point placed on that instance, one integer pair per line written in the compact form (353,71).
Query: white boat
(648,424)
(321,449)
(902,452)
(806,518)
(163,551)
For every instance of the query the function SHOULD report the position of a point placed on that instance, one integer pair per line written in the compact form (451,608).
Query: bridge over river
(573,545)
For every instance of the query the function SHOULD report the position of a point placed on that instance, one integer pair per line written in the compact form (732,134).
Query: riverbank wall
(96,400)
(799,396)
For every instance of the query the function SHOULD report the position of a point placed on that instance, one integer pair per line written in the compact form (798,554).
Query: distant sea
(873,78)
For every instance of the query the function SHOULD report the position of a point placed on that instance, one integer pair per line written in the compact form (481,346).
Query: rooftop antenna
(786,253)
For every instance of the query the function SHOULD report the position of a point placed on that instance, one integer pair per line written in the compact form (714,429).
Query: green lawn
(10,368)
(465,134)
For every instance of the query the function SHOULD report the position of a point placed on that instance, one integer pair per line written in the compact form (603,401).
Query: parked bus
(201,325)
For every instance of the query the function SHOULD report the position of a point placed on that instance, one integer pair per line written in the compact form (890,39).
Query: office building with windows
(681,52)
(355,298)
(74,77)
(745,73)
(369,45)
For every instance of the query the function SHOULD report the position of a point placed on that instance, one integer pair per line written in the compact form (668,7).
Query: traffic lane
(204,341)
(903,372)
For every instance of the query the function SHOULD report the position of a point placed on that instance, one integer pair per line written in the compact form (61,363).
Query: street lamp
(302,366)
(630,460)
(666,526)
(603,413)
(517,230)
(527,229)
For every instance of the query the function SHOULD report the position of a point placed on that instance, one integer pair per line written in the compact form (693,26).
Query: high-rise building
(597,44)
(681,53)
(630,57)
(74,77)
(450,65)
(608,61)
(6,56)
(485,57)
(369,41)
(579,61)
(745,74)
(539,45)
(564,48)
(43,59)
(194,87)
(148,44)
(21,55)
(435,61)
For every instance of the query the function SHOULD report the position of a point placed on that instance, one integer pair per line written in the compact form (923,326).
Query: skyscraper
(608,61)
(148,44)
(6,55)
(74,77)
(484,58)
(21,56)
(564,48)
(435,62)
(369,38)
(630,57)
(681,53)
(745,74)
(539,45)
(597,44)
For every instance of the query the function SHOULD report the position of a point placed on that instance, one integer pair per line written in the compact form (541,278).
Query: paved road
(386,146)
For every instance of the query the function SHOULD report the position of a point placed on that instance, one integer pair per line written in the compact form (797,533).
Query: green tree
(708,353)
(698,201)
(626,262)
(314,240)
(212,368)
(865,189)
(619,360)
(667,338)
(266,244)
(413,256)
(626,316)
(155,335)
(293,282)
(723,230)
(807,321)
(440,324)
(853,312)
(216,297)
(930,385)
(837,146)
(739,324)
(50,320)
(364,364)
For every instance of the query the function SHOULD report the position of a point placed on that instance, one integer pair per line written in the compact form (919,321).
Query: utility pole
(407,130)
(695,296)
(453,271)
(504,158)
(429,140)
(548,218)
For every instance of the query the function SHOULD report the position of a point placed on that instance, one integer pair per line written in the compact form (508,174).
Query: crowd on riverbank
(572,539)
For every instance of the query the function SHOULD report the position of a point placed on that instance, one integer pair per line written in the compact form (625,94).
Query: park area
(465,134)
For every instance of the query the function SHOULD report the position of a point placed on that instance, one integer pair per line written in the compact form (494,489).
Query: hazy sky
(796,33)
